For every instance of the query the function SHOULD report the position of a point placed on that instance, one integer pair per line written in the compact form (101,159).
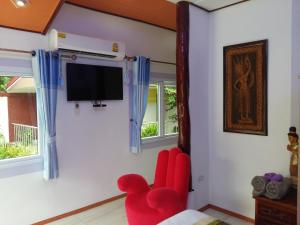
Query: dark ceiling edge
(54,14)
(210,11)
(114,14)
(243,1)
(199,7)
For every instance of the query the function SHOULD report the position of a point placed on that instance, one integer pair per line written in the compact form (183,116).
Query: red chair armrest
(132,183)
(165,200)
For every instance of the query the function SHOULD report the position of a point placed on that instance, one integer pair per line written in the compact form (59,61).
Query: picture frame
(245,88)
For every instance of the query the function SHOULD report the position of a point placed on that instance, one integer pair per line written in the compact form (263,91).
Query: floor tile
(114,217)
(101,211)
(113,213)
(216,214)
(236,221)
(71,220)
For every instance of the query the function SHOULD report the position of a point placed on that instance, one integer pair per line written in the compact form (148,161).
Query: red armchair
(167,197)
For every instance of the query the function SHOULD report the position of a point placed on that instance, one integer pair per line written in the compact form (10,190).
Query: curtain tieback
(51,140)
(133,121)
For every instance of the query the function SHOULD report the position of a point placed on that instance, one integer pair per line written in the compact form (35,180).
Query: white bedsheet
(187,217)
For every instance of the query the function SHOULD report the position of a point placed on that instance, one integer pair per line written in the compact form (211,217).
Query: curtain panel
(46,73)
(139,87)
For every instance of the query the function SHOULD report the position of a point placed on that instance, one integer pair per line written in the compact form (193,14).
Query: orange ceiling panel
(34,17)
(37,16)
(157,12)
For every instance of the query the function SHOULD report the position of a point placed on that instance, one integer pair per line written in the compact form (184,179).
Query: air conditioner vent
(87,53)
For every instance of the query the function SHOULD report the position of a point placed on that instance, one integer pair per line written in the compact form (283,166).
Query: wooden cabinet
(276,212)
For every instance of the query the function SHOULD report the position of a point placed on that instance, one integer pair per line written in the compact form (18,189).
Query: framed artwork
(245,88)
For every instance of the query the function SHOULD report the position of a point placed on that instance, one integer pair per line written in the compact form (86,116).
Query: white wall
(12,64)
(296,75)
(90,162)
(295,64)
(21,40)
(93,146)
(235,158)
(199,50)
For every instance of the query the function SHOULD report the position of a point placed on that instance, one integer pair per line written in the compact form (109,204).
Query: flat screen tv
(90,82)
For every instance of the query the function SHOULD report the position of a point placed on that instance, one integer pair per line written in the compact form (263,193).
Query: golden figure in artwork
(243,85)
(293,148)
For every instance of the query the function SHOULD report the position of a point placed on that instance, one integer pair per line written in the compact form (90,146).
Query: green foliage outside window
(170,98)
(171,105)
(149,130)
(8,151)
(3,82)
(170,95)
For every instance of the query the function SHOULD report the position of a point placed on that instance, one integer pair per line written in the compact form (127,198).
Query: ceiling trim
(118,15)
(229,5)
(210,11)
(199,7)
(54,14)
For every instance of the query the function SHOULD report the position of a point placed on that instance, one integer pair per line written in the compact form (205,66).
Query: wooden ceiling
(158,12)
(38,15)
(35,17)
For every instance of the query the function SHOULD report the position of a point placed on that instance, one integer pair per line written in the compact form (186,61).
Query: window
(170,109)
(18,117)
(160,119)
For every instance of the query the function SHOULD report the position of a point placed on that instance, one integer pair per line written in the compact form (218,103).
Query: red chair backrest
(173,171)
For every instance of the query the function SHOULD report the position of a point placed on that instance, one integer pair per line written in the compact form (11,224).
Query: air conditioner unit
(86,46)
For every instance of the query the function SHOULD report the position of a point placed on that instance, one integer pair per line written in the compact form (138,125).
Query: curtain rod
(133,58)
(33,53)
(129,58)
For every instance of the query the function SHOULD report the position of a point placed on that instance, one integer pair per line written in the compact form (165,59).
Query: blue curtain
(139,87)
(46,72)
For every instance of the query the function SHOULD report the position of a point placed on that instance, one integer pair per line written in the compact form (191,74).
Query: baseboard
(43,222)
(204,208)
(228,212)
(77,211)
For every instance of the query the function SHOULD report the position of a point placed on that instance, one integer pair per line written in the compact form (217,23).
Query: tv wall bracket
(98,104)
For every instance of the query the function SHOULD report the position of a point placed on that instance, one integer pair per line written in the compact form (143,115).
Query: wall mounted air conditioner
(86,46)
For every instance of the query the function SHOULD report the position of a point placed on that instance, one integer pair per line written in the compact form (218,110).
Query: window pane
(150,125)
(18,117)
(171,120)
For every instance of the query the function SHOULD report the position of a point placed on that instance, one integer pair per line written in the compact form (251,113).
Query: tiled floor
(226,218)
(114,214)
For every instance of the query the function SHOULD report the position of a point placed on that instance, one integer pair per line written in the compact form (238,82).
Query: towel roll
(277,190)
(273,177)
(259,184)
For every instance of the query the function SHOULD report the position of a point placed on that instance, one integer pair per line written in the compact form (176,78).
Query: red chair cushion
(139,213)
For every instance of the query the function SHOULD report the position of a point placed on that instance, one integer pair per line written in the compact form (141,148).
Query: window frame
(162,137)
(25,164)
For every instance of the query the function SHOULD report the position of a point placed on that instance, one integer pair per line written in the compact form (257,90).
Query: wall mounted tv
(90,82)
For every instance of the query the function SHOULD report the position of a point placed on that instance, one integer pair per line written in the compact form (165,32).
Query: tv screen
(90,82)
